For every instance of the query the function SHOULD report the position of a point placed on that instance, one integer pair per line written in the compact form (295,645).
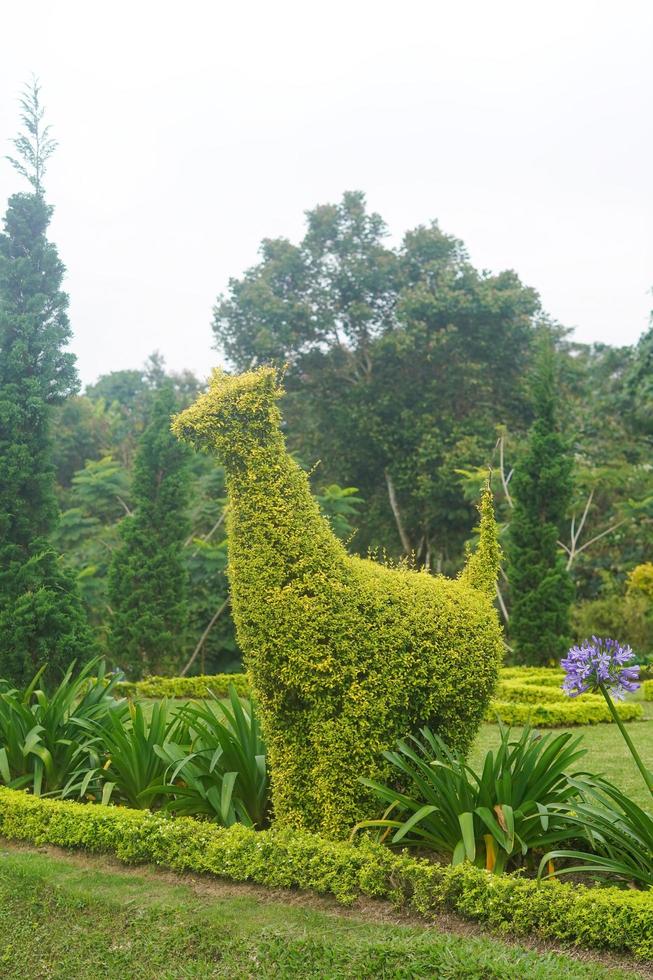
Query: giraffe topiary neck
(275,525)
(277,534)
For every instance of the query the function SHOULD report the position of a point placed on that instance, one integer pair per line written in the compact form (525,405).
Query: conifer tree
(41,617)
(148,578)
(540,587)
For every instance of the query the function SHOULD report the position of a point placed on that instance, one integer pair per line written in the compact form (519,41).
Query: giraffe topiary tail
(482,565)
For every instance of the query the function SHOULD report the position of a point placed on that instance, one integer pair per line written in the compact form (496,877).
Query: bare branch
(392,496)
(123,505)
(597,537)
(502,470)
(582,520)
(209,534)
(572,550)
(502,605)
(203,637)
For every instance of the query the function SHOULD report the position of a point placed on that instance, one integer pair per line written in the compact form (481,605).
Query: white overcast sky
(189,131)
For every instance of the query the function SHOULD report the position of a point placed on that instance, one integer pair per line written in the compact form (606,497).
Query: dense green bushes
(345,655)
(46,738)
(530,693)
(80,742)
(549,676)
(608,918)
(494,817)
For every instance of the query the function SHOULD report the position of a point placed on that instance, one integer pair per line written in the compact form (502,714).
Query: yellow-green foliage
(202,686)
(640,580)
(604,918)
(647,688)
(344,655)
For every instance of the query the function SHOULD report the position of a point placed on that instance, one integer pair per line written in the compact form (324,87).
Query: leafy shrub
(492,818)
(223,773)
(640,581)
(604,918)
(133,771)
(344,654)
(619,833)
(647,688)
(629,618)
(44,738)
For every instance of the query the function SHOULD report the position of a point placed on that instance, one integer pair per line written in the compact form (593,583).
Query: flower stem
(648,776)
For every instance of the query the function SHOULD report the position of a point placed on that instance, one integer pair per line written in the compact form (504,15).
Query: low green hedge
(609,918)
(524,694)
(547,676)
(647,687)
(201,686)
(582,711)
(519,693)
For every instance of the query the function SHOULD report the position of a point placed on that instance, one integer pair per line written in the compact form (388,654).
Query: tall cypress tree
(148,578)
(41,617)
(541,589)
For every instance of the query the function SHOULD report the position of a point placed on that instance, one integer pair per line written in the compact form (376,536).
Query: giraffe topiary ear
(269,379)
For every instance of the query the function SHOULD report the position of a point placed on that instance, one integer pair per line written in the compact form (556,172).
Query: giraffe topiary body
(344,655)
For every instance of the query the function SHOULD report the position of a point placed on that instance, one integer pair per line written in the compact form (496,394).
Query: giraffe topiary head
(235,415)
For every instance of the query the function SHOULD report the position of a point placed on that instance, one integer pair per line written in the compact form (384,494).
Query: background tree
(41,617)
(148,580)
(638,387)
(541,589)
(400,363)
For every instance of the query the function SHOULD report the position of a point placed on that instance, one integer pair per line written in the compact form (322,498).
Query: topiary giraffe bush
(344,655)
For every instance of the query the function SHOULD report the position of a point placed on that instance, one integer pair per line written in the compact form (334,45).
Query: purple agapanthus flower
(600,661)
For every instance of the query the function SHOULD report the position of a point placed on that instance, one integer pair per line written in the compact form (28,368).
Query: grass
(607,752)
(78,918)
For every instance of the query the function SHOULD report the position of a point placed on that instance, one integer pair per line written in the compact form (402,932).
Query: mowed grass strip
(68,919)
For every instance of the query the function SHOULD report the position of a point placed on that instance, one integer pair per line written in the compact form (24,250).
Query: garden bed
(600,918)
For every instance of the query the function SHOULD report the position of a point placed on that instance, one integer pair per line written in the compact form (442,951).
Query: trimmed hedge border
(548,678)
(542,676)
(601,918)
(584,711)
(524,694)
(647,687)
(201,686)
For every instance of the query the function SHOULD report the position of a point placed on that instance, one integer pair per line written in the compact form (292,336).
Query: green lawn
(78,918)
(606,752)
